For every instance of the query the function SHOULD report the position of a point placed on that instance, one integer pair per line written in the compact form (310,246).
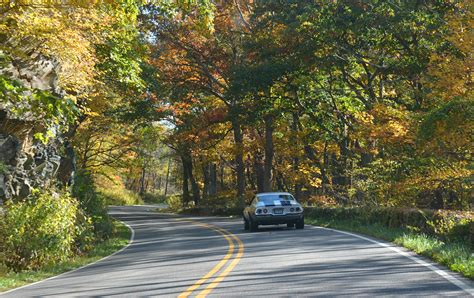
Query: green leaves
(41,230)
(53,112)
(447,119)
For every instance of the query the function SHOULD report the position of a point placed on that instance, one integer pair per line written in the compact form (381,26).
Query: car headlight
(292,209)
(258,211)
(298,209)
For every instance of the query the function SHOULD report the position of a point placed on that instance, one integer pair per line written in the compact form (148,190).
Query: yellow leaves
(52,3)
(322,201)
(397,129)
(311,175)
(315,182)
(364,118)
(459,170)
(447,130)
(69,37)
(391,125)
(453,73)
(440,176)
(66,36)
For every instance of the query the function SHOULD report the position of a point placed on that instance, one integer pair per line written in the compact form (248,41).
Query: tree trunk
(325,179)
(280,180)
(296,160)
(157,185)
(269,153)
(186,197)
(142,179)
(221,178)
(258,168)
(239,160)
(167,176)
(343,165)
(213,179)
(206,179)
(194,186)
(248,170)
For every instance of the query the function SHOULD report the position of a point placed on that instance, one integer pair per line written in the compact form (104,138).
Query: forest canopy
(338,102)
(361,103)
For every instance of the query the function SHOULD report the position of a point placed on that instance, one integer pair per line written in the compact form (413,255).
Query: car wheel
(290,225)
(246,224)
(300,224)
(253,225)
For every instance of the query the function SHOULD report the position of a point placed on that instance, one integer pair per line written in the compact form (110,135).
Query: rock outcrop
(27,163)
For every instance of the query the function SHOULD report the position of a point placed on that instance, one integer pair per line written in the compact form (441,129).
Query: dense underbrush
(112,191)
(154,198)
(225,204)
(48,227)
(119,197)
(53,225)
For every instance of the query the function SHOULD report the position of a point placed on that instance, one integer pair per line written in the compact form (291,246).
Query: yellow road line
(223,261)
(221,276)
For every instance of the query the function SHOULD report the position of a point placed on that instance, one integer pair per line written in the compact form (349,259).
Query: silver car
(272,208)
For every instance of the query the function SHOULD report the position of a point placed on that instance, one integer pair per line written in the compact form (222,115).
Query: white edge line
(132,237)
(460,284)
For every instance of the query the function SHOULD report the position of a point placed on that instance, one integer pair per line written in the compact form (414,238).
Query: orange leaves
(216,115)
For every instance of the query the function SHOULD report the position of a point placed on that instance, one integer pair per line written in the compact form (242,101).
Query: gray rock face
(26,168)
(35,72)
(26,163)
(8,148)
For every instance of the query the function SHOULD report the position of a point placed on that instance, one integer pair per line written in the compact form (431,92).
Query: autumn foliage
(337,102)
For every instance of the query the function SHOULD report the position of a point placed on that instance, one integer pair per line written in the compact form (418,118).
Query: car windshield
(271,198)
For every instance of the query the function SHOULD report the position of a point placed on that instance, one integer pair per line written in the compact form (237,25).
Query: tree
(203,62)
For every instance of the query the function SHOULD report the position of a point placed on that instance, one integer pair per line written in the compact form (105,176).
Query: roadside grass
(154,198)
(10,280)
(119,196)
(457,256)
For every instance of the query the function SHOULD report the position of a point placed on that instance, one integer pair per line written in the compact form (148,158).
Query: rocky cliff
(25,162)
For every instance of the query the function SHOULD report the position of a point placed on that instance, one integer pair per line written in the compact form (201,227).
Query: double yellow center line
(229,259)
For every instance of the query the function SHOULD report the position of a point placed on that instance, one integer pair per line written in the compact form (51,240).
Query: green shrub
(3,234)
(154,198)
(40,230)
(85,236)
(452,225)
(175,202)
(93,205)
(111,186)
(3,168)
(119,197)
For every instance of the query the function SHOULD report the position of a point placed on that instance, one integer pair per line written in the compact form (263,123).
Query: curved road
(173,256)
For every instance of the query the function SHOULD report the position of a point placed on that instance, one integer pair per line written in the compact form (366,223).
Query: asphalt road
(173,256)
